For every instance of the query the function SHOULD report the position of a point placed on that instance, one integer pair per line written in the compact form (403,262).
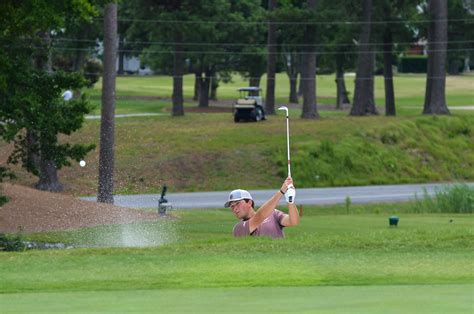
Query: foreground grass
(330,263)
(323,250)
(346,299)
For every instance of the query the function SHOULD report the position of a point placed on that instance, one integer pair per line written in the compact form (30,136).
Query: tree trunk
(204,90)
(364,103)
(435,96)
(254,81)
(300,84)
(342,93)
(33,159)
(214,86)
(107,126)
(121,57)
(48,177)
(388,73)
(79,60)
(197,85)
(271,62)
(292,68)
(310,110)
(45,167)
(293,88)
(178,71)
(467,62)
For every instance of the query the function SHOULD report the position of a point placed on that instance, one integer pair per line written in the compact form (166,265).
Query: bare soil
(30,210)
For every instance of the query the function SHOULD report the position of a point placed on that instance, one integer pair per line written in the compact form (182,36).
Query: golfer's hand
(286,184)
(290,194)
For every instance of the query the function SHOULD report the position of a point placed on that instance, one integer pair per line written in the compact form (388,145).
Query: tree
(271,61)
(460,33)
(107,125)
(251,59)
(291,41)
(204,30)
(364,102)
(337,53)
(435,96)
(32,111)
(308,77)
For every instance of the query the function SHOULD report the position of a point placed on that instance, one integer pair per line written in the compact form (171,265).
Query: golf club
(291,195)
(287,137)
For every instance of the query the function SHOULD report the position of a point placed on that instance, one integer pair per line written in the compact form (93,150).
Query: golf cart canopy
(249,89)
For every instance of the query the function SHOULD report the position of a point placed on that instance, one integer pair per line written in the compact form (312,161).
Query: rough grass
(205,152)
(193,262)
(324,250)
(458,198)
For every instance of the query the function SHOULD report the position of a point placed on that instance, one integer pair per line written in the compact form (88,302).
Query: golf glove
(290,194)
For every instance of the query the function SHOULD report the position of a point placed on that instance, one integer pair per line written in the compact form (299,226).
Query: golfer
(266,221)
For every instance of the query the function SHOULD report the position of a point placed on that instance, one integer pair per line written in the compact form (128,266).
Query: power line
(383,22)
(216,52)
(346,77)
(258,45)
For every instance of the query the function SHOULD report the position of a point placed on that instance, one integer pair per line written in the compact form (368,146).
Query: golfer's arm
(264,211)
(293,217)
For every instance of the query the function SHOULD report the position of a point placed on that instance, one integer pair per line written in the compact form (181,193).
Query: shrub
(413,64)
(92,71)
(11,243)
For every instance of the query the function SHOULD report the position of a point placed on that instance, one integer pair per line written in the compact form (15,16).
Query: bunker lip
(30,210)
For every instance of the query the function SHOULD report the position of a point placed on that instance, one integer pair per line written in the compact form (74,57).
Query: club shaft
(288,142)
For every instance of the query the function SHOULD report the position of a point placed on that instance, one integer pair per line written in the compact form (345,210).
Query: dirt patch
(30,210)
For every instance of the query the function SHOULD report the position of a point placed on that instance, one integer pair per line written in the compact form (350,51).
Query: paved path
(313,196)
(144,114)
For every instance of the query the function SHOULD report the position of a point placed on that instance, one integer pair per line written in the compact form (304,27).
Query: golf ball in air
(82,163)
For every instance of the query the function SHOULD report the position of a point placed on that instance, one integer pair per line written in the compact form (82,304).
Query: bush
(413,64)
(4,173)
(92,71)
(458,198)
(11,243)
(3,199)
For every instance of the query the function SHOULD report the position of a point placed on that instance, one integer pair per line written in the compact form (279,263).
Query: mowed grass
(334,263)
(327,299)
(409,88)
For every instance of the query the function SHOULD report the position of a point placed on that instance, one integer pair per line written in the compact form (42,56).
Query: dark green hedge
(413,64)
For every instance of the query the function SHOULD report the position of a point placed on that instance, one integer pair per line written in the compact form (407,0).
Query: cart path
(306,196)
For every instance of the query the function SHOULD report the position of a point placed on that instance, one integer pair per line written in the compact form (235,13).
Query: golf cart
(249,106)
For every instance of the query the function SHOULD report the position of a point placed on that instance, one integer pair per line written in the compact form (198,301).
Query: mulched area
(31,210)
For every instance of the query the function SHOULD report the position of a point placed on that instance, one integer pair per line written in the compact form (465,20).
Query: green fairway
(346,299)
(409,89)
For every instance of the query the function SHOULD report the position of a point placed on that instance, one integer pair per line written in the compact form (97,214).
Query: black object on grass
(393,221)
(163,202)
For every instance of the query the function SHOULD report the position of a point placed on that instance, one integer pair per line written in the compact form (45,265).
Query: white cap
(237,195)
(67,95)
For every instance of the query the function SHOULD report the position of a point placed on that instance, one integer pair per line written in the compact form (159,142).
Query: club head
(284,108)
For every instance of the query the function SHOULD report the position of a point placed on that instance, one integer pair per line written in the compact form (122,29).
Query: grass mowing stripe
(330,299)
(147,269)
